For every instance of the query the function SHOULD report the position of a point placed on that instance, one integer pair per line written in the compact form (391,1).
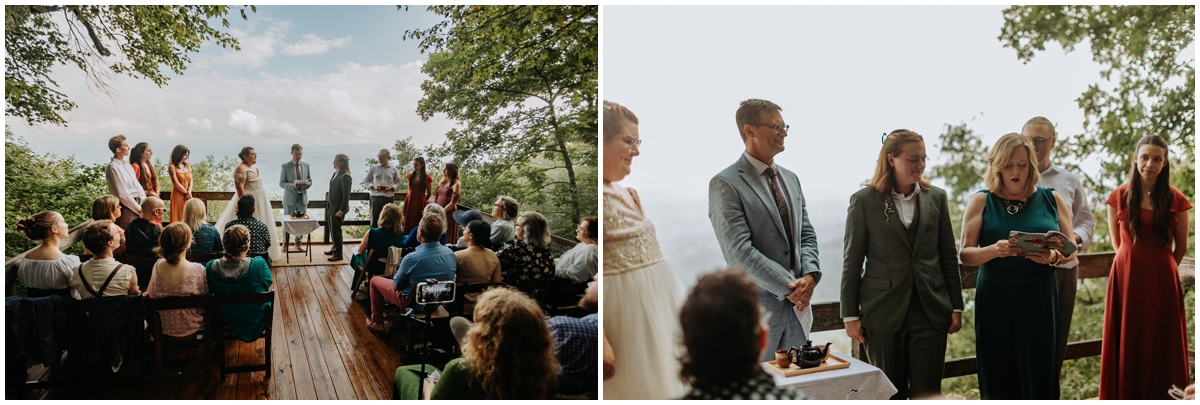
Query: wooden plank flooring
(322,350)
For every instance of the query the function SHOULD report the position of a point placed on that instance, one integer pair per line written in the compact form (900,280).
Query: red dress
(1145,341)
(444,196)
(415,200)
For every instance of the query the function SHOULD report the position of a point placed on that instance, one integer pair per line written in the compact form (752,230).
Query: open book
(1033,241)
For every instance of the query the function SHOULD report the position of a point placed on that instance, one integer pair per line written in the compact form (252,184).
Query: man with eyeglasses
(1041,131)
(142,235)
(758,212)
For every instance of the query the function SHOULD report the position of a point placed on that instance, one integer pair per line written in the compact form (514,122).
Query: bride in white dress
(641,295)
(246,179)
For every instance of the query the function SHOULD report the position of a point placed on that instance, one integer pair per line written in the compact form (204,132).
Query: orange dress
(177,200)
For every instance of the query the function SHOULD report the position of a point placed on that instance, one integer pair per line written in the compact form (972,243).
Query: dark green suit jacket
(339,194)
(881,269)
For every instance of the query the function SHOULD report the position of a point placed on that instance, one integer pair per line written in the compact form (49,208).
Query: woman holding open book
(1016,301)
(1145,348)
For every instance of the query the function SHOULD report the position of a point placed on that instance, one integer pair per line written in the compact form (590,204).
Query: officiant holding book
(295,179)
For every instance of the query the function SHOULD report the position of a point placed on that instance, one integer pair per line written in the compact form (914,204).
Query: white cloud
(250,124)
(200,125)
(314,45)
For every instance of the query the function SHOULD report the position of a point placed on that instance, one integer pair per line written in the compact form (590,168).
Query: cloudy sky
(334,79)
(843,75)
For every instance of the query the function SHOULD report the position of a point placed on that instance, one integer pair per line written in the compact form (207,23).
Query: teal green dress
(456,382)
(245,320)
(380,239)
(1016,307)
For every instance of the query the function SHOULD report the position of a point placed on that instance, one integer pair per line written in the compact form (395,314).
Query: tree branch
(91,33)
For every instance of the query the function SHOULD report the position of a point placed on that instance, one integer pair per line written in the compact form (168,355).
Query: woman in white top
(45,270)
(103,275)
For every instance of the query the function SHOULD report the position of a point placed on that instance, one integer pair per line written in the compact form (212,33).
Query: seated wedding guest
(724,336)
(431,260)
(477,264)
(45,270)
(143,170)
(142,235)
(503,229)
(579,264)
(410,241)
(122,183)
(1016,294)
(260,237)
(237,274)
(107,207)
(175,276)
(528,257)
(388,234)
(465,217)
(205,237)
(103,276)
(575,346)
(508,354)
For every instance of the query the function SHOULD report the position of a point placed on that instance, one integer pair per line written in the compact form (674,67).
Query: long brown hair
(146,176)
(884,180)
(174,242)
(1160,195)
(509,349)
(451,176)
(420,174)
(177,157)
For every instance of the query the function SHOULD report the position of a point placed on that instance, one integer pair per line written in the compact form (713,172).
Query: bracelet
(1057,258)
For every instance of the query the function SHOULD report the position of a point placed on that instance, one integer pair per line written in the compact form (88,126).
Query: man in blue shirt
(431,260)
(575,344)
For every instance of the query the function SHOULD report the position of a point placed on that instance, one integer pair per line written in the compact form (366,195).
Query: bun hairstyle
(234,240)
(37,226)
(616,117)
(245,152)
(482,232)
(174,242)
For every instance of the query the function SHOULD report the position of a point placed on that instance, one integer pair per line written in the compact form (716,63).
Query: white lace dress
(641,306)
(262,211)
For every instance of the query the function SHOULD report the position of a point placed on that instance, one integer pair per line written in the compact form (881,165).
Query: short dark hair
(245,206)
(296,147)
(96,235)
(115,142)
(750,112)
(721,328)
(482,232)
(593,228)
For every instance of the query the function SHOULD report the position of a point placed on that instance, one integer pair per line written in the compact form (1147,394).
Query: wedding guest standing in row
(447,195)
(123,183)
(181,181)
(419,188)
(1145,349)
(45,270)
(381,182)
(1041,131)
(139,158)
(1016,298)
(339,203)
(907,296)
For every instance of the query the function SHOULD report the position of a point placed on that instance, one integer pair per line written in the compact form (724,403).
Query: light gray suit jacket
(287,177)
(752,237)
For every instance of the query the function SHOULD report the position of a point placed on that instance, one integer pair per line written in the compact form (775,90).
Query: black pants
(335,233)
(377,204)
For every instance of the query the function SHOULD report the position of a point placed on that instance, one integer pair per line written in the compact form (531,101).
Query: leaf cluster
(102,41)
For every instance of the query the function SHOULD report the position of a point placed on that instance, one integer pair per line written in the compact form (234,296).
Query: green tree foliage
(522,82)
(35,183)
(1148,87)
(102,41)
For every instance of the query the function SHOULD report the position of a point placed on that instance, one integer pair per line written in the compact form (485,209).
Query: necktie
(298,177)
(784,214)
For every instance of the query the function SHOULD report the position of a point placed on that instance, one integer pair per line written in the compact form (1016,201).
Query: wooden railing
(827,316)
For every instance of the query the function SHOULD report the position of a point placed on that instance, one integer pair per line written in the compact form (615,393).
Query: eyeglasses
(519,225)
(633,141)
(1040,140)
(779,128)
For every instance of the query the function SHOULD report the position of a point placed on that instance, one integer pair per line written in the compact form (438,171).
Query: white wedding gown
(641,306)
(262,211)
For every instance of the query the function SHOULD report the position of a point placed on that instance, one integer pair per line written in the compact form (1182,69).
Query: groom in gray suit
(757,210)
(295,179)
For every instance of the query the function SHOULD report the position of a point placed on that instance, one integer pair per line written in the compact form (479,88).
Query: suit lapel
(752,179)
(925,203)
(791,189)
(893,218)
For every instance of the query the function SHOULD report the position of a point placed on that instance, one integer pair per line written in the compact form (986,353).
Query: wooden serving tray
(305,216)
(832,362)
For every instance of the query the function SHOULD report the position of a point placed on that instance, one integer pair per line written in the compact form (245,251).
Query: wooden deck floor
(322,350)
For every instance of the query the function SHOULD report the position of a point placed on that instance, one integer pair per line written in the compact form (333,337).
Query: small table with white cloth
(859,381)
(297,226)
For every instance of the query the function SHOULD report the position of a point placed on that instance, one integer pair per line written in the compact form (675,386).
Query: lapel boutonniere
(888,208)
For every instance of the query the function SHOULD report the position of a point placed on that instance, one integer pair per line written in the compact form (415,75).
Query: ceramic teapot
(809,356)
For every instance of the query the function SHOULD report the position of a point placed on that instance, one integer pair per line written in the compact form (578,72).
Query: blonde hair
(104,206)
(999,157)
(194,214)
(509,349)
(616,117)
(174,242)
(37,226)
(884,180)
(391,219)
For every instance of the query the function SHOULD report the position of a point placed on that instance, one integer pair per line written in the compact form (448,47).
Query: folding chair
(225,333)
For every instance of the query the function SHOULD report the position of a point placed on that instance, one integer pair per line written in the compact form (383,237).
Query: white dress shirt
(382,176)
(906,205)
(1071,190)
(124,185)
